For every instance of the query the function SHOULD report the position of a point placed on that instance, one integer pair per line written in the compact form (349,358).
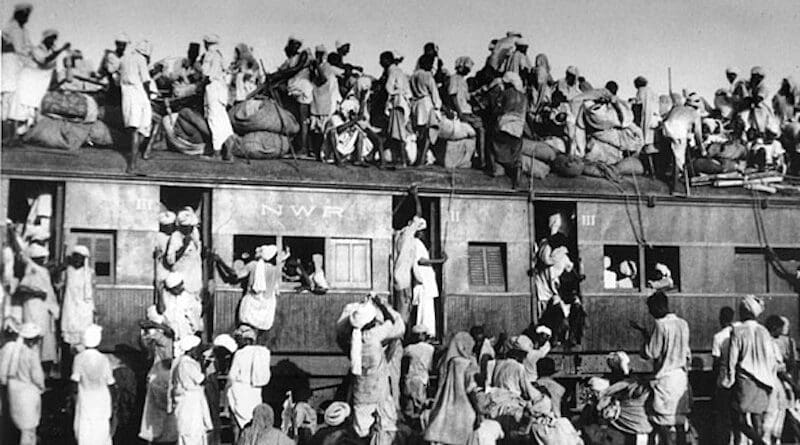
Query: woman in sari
(260,430)
(453,415)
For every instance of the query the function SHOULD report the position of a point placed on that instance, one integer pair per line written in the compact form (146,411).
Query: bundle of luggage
(266,129)
(68,121)
(767,182)
(456,144)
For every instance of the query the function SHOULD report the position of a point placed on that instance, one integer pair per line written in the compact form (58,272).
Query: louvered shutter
(487,269)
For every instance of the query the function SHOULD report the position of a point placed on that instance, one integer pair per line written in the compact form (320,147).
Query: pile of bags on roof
(69,120)
(266,129)
(456,143)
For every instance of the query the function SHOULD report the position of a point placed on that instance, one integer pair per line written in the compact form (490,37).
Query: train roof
(171,167)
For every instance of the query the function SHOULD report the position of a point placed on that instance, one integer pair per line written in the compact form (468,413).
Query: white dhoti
(32,85)
(216,98)
(11,67)
(258,310)
(136,109)
(426,310)
(678,141)
(193,417)
(243,399)
(92,417)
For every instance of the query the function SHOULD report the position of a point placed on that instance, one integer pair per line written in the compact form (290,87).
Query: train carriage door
(557,219)
(176,199)
(404,208)
(36,208)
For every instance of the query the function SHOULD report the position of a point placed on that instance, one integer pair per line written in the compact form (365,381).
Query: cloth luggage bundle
(60,133)
(262,115)
(455,129)
(566,166)
(70,105)
(262,145)
(458,153)
(179,133)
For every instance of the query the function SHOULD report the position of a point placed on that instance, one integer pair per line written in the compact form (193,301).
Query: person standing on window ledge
(77,311)
(257,308)
(425,288)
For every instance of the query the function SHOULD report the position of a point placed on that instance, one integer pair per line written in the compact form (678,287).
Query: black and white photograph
(400,222)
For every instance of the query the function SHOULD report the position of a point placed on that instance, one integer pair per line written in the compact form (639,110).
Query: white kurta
(216,98)
(92,372)
(250,371)
(426,290)
(136,109)
(32,84)
(77,312)
(189,399)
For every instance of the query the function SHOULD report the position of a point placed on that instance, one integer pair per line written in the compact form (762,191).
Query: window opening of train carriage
(487,267)
(404,208)
(102,245)
(350,265)
(621,267)
(781,276)
(32,210)
(306,255)
(663,268)
(557,216)
(244,246)
(750,270)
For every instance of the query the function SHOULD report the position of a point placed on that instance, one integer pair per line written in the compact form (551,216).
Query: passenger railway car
(713,241)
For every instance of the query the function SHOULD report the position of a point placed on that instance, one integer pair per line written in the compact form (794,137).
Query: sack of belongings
(262,145)
(556,143)
(70,105)
(192,127)
(176,136)
(454,129)
(458,153)
(538,150)
(58,133)
(629,166)
(566,166)
(601,170)
(534,168)
(262,115)
(707,166)
(733,150)
(99,135)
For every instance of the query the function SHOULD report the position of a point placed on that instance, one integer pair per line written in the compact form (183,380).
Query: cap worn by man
(122,38)
(187,217)
(573,70)
(227,342)
(80,250)
(92,336)
(144,47)
(166,218)
(320,49)
(267,252)
(758,71)
(339,44)
(49,33)
(189,342)
(211,38)
(20,7)
(337,413)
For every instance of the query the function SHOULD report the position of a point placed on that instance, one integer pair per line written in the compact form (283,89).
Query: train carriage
(714,243)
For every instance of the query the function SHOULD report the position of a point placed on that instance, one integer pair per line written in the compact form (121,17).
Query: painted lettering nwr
(303,211)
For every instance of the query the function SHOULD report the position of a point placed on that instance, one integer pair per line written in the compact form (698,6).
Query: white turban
(187,217)
(598,384)
(619,361)
(188,342)
(362,314)
(166,218)
(227,342)
(92,336)
(80,250)
(752,304)
(522,342)
(337,413)
(29,331)
(544,330)
(664,270)
(628,268)
(267,252)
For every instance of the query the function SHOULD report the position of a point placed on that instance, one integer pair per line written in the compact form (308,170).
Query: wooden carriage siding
(708,230)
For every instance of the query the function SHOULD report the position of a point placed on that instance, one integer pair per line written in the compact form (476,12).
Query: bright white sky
(607,40)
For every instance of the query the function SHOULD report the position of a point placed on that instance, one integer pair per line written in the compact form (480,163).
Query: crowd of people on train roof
(511,115)
(403,386)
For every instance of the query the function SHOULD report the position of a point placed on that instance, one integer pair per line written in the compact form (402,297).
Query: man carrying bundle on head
(368,331)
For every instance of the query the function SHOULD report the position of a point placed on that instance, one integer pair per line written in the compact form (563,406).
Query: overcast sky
(608,39)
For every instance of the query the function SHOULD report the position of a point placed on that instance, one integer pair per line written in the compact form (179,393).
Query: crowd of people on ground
(402,385)
(510,116)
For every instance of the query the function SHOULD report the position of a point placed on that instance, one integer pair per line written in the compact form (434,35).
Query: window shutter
(487,268)
(751,273)
(351,263)
(477,269)
(101,247)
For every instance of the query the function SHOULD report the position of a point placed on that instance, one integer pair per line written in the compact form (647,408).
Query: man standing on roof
(458,90)
(296,68)
(17,49)
(109,67)
(212,67)
(135,85)
(34,80)
(758,114)
(668,347)
(682,122)
(569,85)
(519,61)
